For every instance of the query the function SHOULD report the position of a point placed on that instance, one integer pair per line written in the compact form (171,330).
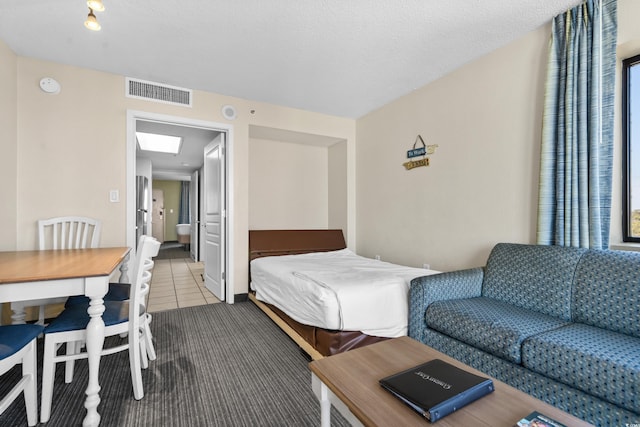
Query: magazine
(536,419)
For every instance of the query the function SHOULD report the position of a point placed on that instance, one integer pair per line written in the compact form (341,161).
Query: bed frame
(316,342)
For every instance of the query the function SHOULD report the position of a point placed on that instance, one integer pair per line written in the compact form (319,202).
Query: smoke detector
(229,112)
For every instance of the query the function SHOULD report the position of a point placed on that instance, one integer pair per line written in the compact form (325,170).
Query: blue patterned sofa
(561,324)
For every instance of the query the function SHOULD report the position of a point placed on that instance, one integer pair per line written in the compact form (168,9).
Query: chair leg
(19,315)
(144,359)
(29,368)
(135,365)
(48,371)
(41,315)
(151,350)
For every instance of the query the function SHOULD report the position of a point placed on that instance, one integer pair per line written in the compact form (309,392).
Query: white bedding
(337,290)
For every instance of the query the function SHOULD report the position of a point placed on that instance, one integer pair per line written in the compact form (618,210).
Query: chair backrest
(69,232)
(148,247)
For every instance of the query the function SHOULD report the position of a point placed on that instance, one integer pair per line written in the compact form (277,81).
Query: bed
(324,296)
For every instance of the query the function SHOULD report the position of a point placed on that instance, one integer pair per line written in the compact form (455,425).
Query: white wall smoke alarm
(50,85)
(229,112)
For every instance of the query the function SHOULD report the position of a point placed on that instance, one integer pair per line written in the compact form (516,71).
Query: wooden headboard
(290,242)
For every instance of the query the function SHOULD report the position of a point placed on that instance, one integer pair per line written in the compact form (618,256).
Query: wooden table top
(30,266)
(353,377)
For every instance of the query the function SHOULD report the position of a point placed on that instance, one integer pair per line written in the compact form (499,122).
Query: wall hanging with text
(417,152)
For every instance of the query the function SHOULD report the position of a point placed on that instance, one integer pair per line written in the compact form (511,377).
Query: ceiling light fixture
(96,5)
(91,22)
(159,143)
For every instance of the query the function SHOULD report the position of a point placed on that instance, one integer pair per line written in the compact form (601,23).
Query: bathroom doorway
(170,217)
(157,120)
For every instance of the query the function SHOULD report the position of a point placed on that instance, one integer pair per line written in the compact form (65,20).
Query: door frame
(132,117)
(194,198)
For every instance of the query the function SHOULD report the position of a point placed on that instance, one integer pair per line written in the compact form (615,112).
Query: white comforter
(337,290)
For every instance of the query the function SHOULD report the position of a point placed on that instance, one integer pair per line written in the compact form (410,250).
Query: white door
(194,194)
(214,222)
(157,215)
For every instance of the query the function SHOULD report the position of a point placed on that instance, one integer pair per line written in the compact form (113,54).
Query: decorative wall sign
(420,151)
(416,163)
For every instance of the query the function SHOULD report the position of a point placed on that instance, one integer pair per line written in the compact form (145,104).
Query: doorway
(226,255)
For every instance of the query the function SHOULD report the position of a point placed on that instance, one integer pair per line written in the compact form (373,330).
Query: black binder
(436,388)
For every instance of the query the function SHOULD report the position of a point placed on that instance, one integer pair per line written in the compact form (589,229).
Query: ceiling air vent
(158,92)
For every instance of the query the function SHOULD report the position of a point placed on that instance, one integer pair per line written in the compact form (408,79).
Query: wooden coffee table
(349,381)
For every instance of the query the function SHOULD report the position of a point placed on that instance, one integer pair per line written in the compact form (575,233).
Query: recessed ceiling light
(159,143)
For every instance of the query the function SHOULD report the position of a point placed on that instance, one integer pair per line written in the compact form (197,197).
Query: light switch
(114,196)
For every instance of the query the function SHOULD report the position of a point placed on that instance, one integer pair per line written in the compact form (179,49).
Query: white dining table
(26,275)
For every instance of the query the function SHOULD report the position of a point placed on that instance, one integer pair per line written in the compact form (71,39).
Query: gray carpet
(218,365)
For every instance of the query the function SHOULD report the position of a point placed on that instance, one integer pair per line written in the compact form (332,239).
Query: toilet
(184,234)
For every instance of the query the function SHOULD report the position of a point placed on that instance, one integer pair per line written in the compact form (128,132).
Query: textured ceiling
(339,57)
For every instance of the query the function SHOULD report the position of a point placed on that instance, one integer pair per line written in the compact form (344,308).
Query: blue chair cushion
(494,326)
(76,317)
(14,337)
(599,362)
(117,292)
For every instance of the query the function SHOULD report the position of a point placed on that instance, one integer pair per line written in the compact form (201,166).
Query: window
(631,148)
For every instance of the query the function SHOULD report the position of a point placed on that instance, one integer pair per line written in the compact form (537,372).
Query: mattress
(337,290)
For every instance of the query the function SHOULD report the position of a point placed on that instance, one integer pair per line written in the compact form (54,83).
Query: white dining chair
(120,317)
(18,346)
(121,292)
(147,347)
(69,232)
(66,232)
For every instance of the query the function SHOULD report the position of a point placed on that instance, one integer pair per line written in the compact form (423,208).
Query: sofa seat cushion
(490,325)
(596,361)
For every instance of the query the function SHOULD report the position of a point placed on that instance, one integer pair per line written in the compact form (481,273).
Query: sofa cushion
(488,324)
(535,277)
(600,362)
(607,291)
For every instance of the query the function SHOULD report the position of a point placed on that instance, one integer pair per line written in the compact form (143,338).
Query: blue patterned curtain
(574,206)
(184,216)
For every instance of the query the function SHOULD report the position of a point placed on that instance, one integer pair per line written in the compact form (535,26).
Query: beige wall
(72,149)
(288,185)
(338,187)
(171,191)
(8,147)
(481,186)
(298,186)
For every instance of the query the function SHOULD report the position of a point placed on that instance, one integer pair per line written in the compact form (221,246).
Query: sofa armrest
(437,287)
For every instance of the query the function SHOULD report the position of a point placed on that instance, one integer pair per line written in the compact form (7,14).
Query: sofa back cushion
(535,277)
(607,291)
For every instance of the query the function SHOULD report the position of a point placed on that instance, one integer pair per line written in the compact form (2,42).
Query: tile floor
(178,283)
